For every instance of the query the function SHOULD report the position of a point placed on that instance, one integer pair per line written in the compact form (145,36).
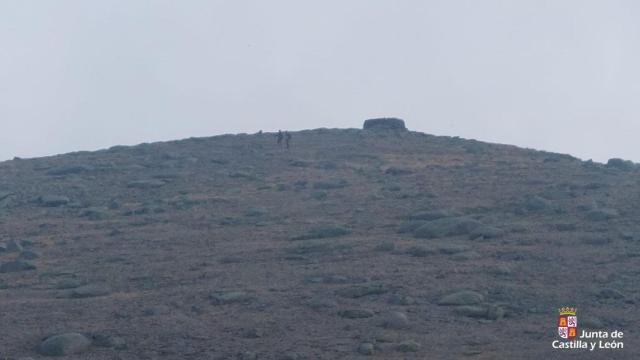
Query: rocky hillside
(384,244)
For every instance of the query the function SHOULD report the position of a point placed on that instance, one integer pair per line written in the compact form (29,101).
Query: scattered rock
(251,333)
(248,355)
(384,124)
(486,232)
(146,210)
(500,269)
(408,346)
(108,341)
(357,291)
(95,213)
(595,240)
(355,313)
(488,312)
(395,171)
(230,297)
(431,215)
(451,249)
(86,291)
(256,212)
(321,302)
(400,299)
(5,195)
(538,204)
(299,163)
(565,226)
(395,320)
(330,184)
(156,310)
(366,348)
(385,246)
(68,284)
(447,227)
(319,195)
(13,246)
(28,255)
(146,184)
(16,266)
(608,293)
(464,297)
(323,232)
(64,344)
(420,251)
(70,169)
(333,279)
(467,255)
(410,226)
(601,214)
(53,200)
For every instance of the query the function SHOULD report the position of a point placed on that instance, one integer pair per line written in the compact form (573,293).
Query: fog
(554,75)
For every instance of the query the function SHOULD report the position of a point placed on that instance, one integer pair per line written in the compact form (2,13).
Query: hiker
(279,137)
(287,138)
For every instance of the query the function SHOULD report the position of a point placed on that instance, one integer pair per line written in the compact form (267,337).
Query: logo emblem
(567,322)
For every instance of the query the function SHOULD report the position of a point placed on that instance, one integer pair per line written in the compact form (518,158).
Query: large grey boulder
(64,344)
(384,124)
(620,164)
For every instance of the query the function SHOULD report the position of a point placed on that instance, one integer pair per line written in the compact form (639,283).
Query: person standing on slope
(280,137)
(287,138)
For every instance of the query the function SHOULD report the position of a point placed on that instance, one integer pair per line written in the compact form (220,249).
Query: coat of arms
(567,323)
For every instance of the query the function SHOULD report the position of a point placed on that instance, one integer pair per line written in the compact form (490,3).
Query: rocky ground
(352,244)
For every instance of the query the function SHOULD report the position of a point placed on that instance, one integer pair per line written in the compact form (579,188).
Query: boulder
(431,215)
(355,313)
(408,346)
(146,184)
(601,214)
(28,255)
(395,320)
(384,124)
(366,348)
(64,344)
(322,232)
(620,164)
(358,291)
(16,266)
(53,200)
(464,297)
(86,291)
(538,204)
(94,213)
(447,227)
(230,297)
(330,184)
(13,246)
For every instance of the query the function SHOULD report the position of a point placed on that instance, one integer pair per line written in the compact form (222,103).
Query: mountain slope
(233,247)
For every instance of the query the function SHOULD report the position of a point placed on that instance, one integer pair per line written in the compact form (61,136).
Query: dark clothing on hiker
(279,137)
(287,139)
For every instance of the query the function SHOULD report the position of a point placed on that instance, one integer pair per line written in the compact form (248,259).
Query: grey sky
(556,75)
